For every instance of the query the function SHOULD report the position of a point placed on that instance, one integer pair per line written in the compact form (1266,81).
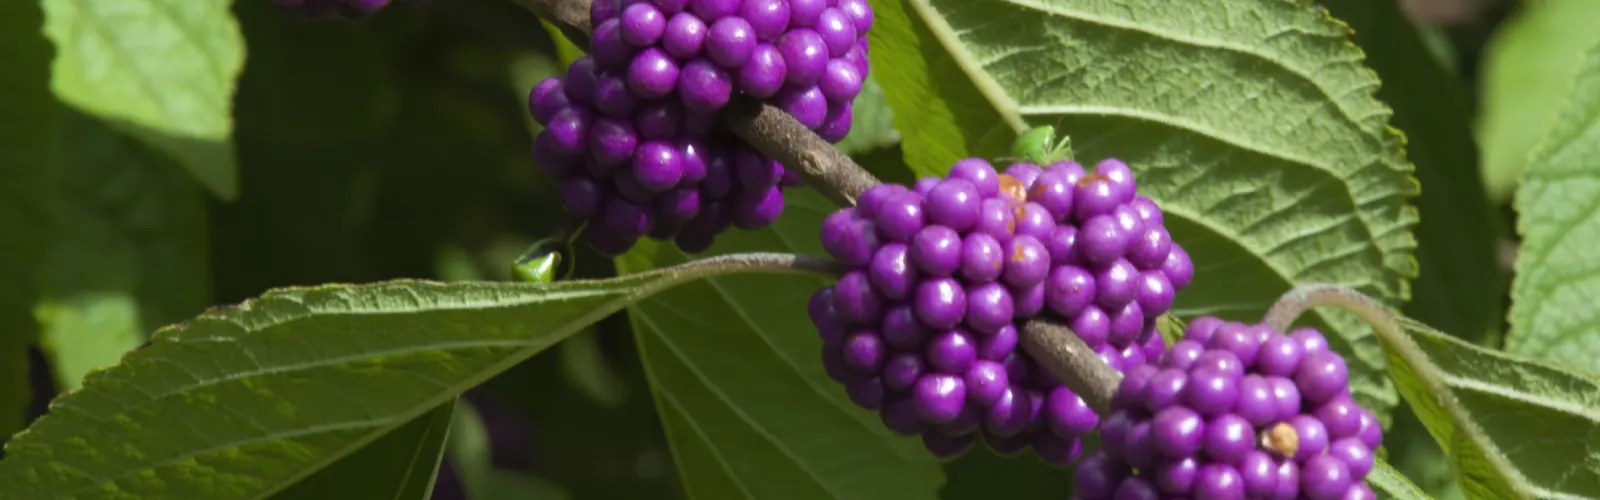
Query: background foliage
(159,157)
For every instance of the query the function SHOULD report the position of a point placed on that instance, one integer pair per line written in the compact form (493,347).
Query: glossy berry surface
(1240,411)
(958,265)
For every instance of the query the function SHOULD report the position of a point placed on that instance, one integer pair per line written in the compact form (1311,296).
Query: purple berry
(1279,355)
(658,120)
(998,345)
(1310,340)
(986,381)
(769,18)
(804,13)
(864,352)
(1355,455)
(902,330)
(1029,301)
(580,82)
(997,218)
(1135,488)
(1033,220)
(901,417)
(684,36)
(1154,294)
(1210,392)
(838,32)
(855,301)
(1116,285)
(569,131)
(1201,329)
(657,165)
(1101,240)
(867,393)
(1259,474)
(1067,414)
(1312,437)
(670,6)
(989,307)
(713,10)
(1218,482)
(836,125)
(1233,337)
(1178,432)
(952,352)
(763,73)
(1126,325)
(1285,396)
(1324,477)
(1176,477)
(612,97)
(1010,414)
(1322,376)
(1228,437)
(1092,326)
(947,447)
(609,50)
(642,24)
(704,87)
(1027,262)
(841,81)
(806,104)
(581,196)
(806,55)
(1149,248)
(1256,403)
(1053,191)
(1068,290)
(901,371)
(940,303)
(604,10)
(936,250)
(900,216)
(849,240)
(859,12)
(1097,477)
(939,397)
(653,74)
(953,203)
(1341,416)
(612,141)
(730,42)
(891,272)
(759,209)
(1178,268)
(624,218)
(1371,432)
(679,206)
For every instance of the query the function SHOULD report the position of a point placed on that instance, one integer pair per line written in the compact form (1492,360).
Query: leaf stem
(1399,345)
(832,173)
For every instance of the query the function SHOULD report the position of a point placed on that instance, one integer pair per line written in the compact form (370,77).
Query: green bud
(539,263)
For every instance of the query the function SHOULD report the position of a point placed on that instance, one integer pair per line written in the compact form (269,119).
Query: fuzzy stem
(1399,345)
(777,135)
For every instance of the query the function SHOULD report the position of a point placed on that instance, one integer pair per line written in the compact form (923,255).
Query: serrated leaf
(734,367)
(163,70)
(1552,300)
(130,254)
(872,122)
(401,465)
(1528,68)
(1537,424)
(244,401)
(1389,483)
(1252,125)
(1459,289)
(29,162)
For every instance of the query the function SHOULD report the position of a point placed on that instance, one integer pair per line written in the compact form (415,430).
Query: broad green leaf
(1389,483)
(1253,125)
(515,485)
(245,400)
(131,253)
(982,475)
(29,161)
(162,70)
(872,122)
(734,367)
(1527,74)
(1540,422)
(401,465)
(1553,313)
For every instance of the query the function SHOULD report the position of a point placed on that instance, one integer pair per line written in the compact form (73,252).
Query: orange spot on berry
(1091,178)
(1011,187)
(1281,440)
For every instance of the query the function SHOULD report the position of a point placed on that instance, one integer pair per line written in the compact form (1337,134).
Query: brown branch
(835,175)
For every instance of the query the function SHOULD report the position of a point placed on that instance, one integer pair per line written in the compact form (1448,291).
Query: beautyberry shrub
(942,276)
(1235,411)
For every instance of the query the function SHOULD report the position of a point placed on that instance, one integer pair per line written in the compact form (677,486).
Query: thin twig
(776,134)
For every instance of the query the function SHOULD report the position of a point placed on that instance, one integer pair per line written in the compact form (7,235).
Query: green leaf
(1388,483)
(163,70)
(566,51)
(1252,125)
(749,413)
(1552,300)
(1538,420)
(244,401)
(872,122)
(1527,73)
(130,255)
(401,465)
(29,160)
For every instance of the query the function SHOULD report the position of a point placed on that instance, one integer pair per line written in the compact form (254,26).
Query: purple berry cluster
(630,131)
(1235,411)
(331,9)
(924,325)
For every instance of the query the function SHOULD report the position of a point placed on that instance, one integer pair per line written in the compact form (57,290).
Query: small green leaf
(566,51)
(130,255)
(734,367)
(1252,124)
(244,401)
(401,465)
(163,70)
(1540,421)
(1553,312)
(1388,483)
(1527,74)
(29,164)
